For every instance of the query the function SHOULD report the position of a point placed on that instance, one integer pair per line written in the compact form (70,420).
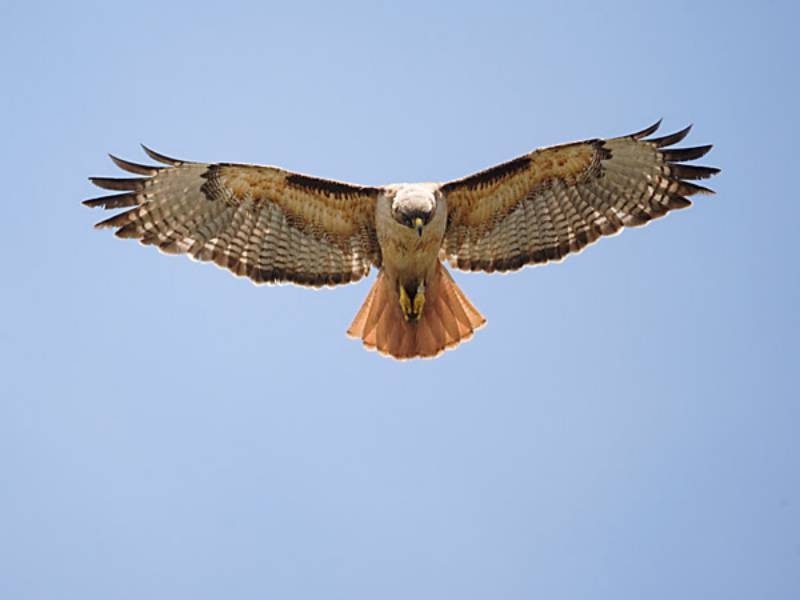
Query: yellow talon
(412,311)
(405,303)
(419,301)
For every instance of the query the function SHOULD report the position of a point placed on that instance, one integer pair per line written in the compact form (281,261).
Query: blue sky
(624,427)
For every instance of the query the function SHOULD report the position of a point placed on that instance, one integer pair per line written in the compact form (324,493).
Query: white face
(413,204)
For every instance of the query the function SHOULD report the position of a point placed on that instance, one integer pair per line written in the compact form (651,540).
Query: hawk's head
(413,206)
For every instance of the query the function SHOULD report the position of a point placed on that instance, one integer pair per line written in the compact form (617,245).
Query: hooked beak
(418,226)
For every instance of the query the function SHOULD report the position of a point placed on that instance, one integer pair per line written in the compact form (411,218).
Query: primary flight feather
(275,226)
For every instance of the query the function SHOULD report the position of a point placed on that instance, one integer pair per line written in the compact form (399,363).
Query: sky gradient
(624,427)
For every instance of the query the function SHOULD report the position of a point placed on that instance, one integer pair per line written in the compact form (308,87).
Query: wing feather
(260,222)
(555,201)
(135,168)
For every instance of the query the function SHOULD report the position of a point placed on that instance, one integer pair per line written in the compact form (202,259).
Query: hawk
(276,226)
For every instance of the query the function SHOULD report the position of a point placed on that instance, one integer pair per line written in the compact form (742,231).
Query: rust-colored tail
(447,319)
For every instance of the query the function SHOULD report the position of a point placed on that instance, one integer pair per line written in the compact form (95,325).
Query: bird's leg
(412,309)
(405,303)
(419,300)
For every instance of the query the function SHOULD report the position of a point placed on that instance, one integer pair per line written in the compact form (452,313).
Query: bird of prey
(275,226)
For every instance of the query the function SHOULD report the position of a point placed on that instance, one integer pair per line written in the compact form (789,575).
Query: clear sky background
(626,426)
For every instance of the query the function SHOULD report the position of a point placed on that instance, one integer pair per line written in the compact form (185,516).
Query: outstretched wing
(261,222)
(554,201)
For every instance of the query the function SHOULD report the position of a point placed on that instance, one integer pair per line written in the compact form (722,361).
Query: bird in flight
(276,226)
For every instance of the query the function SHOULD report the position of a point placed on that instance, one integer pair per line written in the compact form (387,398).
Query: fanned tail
(448,319)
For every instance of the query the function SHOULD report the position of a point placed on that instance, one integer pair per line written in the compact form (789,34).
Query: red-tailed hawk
(275,226)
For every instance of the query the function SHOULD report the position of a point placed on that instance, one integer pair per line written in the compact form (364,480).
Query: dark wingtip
(173,162)
(133,184)
(683,154)
(132,167)
(689,189)
(692,172)
(117,220)
(647,131)
(673,138)
(115,201)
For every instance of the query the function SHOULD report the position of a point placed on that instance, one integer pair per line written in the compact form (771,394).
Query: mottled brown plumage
(275,226)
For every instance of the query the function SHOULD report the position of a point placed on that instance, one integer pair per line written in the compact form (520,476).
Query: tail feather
(360,321)
(445,316)
(448,319)
(460,315)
